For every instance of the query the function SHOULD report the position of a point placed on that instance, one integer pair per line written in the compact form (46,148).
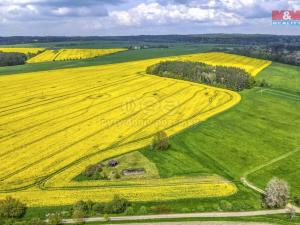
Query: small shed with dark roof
(113,163)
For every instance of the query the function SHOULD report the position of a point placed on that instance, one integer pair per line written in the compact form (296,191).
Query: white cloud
(172,13)
(134,16)
(67,11)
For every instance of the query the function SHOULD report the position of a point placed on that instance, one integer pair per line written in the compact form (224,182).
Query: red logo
(286,15)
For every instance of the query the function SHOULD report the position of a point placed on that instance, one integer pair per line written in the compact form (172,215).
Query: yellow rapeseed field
(22,50)
(71,54)
(55,123)
(251,65)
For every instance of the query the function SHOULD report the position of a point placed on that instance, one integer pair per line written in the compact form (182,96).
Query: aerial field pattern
(71,54)
(55,123)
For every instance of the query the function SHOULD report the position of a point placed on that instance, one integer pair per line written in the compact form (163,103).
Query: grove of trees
(227,77)
(12,58)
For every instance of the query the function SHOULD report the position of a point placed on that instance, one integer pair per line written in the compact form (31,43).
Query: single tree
(277,193)
(12,208)
(160,141)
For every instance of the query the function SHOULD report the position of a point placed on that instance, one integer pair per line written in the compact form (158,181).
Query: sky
(137,17)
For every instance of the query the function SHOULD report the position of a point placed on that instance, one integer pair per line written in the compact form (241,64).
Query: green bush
(185,210)
(80,206)
(90,205)
(106,217)
(263,83)
(215,207)
(161,209)
(225,205)
(78,215)
(129,211)
(117,205)
(34,221)
(8,222)
(54,218)
(160,141)
(142,210)
(297,200)
(92,170)
(242,206)
(200,208)
(12,208)
(98,208)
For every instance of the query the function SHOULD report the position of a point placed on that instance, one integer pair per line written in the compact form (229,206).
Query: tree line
(288,54)
(230,39)
(231,78)
(274,54)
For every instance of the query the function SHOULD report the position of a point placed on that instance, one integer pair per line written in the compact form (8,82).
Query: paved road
(184,215)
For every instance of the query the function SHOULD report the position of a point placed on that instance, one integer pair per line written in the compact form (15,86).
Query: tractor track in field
(71,80)
(279,158)
(80,140)
(67,114)
(41,182)
(137,140)
(59,91)
(119,143)
(280,93)
(112,85)
(60,97)
(75,124)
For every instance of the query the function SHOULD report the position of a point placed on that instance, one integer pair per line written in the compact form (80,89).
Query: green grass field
(263,126)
